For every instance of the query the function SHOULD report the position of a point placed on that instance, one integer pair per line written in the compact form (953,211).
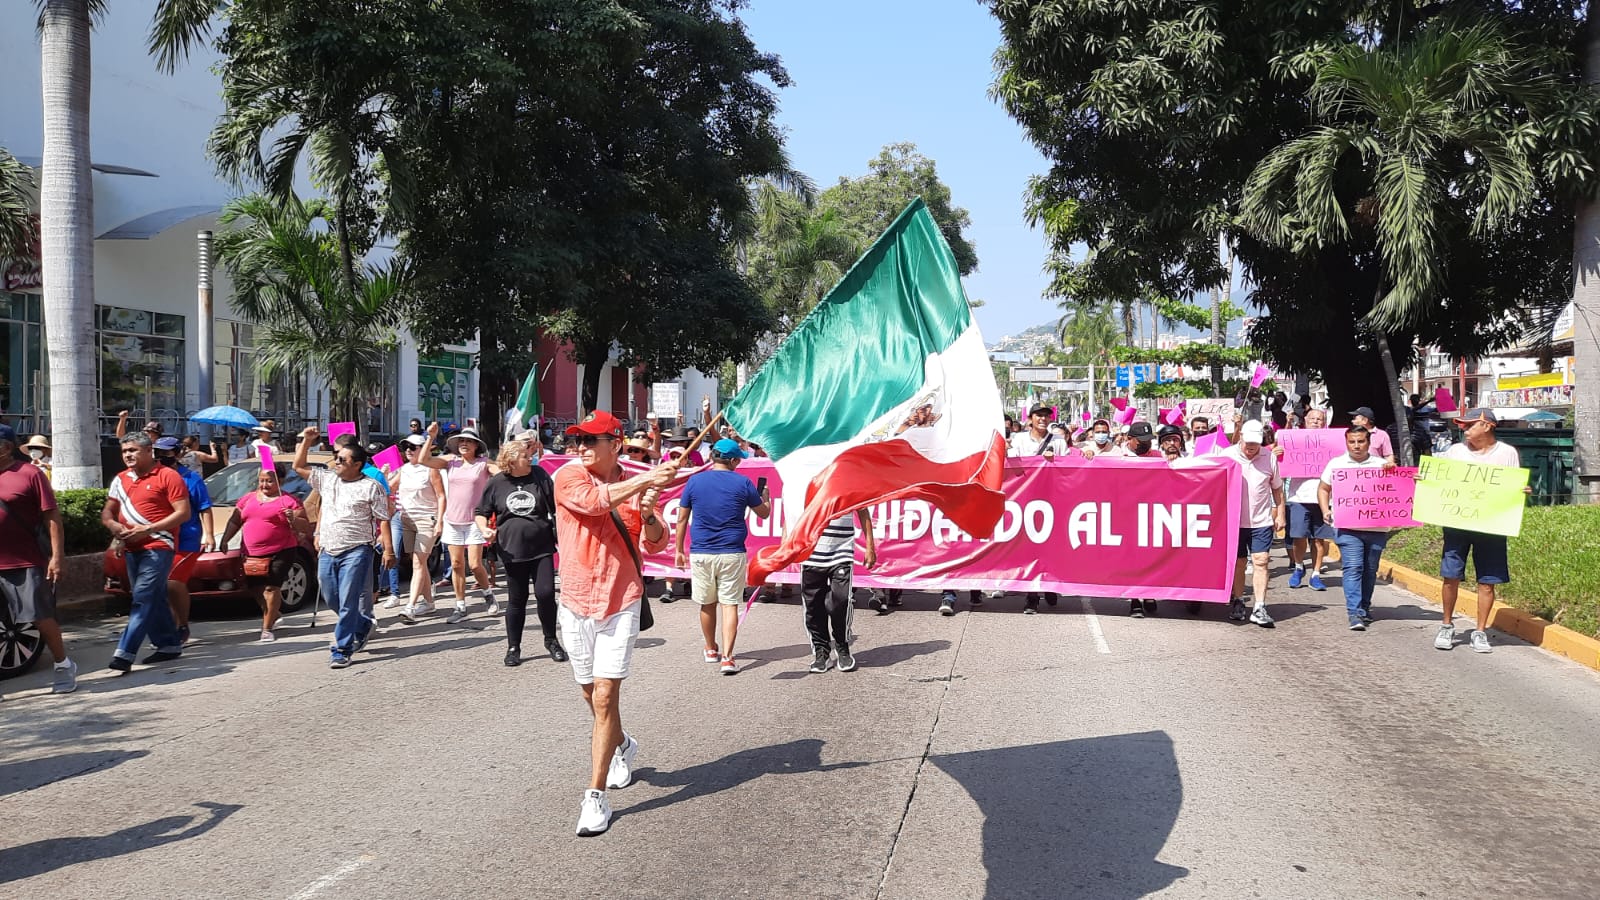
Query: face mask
(36,453)
(1102,439)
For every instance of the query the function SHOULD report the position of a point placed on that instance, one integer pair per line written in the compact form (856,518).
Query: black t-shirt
(524,510)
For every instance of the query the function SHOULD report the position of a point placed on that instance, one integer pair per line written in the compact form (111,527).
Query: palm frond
(177,27)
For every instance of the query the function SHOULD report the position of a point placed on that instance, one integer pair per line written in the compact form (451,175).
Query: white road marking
(1094,626)
(332,878)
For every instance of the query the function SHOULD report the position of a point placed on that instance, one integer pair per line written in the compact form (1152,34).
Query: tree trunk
(1218,337)
(593,359)
(1586,317)
(66,201)
(347,258)
(1402,436)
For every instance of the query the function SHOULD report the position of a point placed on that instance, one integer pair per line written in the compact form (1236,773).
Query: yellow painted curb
(1554,638)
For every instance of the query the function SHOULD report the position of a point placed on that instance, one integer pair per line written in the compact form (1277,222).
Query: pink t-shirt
(1260,480)
(266,525)
(463,488)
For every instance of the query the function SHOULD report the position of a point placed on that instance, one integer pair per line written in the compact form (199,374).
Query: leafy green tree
(16,207)
(1433,133)
(899,174)
(797,253)
(289,279)
(1153,115)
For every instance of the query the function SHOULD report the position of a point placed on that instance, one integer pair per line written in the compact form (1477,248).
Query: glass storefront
(442,386)
(24,379)
(237,380)
(142,365)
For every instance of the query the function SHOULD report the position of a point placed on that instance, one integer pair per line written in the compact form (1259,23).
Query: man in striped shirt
(825,590)
(145,505)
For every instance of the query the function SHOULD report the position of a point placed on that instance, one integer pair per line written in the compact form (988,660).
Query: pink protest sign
(1106,528)
(1121,403)
(1373,497)
(338,429)
(1173,416)
(1306,451)
(1208,444)
(389,460)
(1262,373)
(1087,415)
(1443,401)
(1126,416)
(265,455)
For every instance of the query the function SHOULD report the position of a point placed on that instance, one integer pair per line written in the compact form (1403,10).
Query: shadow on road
(1081,818)
(39,857)
(880,657)
(792,758)
(27,774)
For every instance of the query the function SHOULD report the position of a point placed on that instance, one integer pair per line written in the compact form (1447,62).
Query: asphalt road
(987,755)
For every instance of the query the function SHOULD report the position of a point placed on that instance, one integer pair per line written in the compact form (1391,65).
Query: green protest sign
(1471,496)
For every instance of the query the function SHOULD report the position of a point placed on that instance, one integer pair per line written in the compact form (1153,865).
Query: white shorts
(717,577)
(602,649)
(461,535)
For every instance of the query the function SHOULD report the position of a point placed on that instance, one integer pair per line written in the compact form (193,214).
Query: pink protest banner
(389,460)
(1087,415)
(339,429)
(1306,451)
(1208,444)
(1261,374)
(1126,416)
(1106,528)
(1373,498)
(1443,401)
(1216,410)
(265,455)
(1121,403)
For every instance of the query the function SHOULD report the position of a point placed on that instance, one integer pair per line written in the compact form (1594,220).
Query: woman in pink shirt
(267,518)
(602,521)
(466,473)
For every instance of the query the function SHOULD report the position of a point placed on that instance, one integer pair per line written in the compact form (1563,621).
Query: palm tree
(66,208)
(1412,134)
(16,206)
(289,278)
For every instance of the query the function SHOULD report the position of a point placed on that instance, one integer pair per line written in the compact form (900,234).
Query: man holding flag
(829,407)
(525,413)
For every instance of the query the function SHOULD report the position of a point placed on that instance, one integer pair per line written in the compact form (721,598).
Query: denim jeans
(147,578)
(392,575)
(344,579)
(1360,552)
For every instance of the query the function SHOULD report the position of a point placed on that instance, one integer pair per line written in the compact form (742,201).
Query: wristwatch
(652,521)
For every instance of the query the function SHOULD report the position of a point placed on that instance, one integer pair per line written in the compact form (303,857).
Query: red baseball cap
(598,422)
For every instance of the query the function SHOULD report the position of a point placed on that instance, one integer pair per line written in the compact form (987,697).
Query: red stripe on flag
(966,491)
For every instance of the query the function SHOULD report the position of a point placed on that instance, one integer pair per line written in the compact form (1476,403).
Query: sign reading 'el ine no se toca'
(1471,496)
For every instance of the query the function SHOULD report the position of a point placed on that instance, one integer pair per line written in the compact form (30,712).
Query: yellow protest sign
(1471,496)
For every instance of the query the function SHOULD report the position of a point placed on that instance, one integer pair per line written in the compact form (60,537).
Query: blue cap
(7,433)
(166,443)
(728,449)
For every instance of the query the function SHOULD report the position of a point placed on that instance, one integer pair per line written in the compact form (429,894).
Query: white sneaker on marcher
(392,602)
(493,609)
(621,774)
(594,816)
(267,637)
(66,678)
(1446,638)
(1480,641)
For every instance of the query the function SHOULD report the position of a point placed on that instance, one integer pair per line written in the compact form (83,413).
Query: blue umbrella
(225,415)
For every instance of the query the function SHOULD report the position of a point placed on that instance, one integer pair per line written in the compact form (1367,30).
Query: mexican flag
(883,392)
(525,414)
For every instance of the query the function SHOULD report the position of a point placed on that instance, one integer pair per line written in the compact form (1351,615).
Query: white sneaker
(267,637)
(66,678)
(493,609)
(459,614)
(594,816)
(621,774)
(392,602)
(1480,641)
(420,608)
(1260,617)
(1446,638)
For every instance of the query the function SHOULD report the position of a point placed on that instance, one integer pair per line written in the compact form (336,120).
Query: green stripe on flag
(861,351)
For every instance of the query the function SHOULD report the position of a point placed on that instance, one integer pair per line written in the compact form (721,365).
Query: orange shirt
(143,501)
(598,578)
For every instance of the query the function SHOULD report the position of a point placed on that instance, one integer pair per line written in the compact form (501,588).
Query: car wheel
(20,647)
(298,585)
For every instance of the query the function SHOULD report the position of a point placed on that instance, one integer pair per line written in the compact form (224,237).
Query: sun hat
(1252,433)
(598,422)
(639,444)
(415,440)
(263,429)
(465,434)
(39,441)
(728,449)
(678,435)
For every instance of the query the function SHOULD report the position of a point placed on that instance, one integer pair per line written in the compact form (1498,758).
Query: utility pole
(207,349)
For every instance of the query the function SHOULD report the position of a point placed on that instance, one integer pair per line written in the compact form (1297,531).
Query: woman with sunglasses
(420,505)
(466,474)
(517,516)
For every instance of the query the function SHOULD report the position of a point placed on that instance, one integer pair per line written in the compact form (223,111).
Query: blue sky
(874,72)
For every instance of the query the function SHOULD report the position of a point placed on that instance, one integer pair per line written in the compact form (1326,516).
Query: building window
(237,380)
(442,381)
(24,379)
(141,365)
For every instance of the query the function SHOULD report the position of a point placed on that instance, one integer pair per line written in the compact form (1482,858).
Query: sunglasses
(589,440)
(347,460)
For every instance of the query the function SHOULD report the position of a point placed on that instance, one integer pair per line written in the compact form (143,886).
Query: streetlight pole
(207,348)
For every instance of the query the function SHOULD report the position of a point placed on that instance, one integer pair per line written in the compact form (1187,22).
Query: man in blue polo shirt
(711,514)
(195,536)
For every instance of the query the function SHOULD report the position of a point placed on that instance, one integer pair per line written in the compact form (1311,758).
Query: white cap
(1252,432)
